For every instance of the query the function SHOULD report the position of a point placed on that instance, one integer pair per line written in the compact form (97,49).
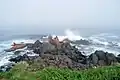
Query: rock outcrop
(66,56)
(81,42)
(102,58)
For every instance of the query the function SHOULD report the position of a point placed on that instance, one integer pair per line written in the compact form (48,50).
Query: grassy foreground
(19,72)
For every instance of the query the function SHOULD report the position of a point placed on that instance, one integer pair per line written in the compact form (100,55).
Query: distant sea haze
(85,32)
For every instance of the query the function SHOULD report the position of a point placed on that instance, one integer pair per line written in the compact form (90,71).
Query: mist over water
(100,40)
(93,21)
(85,32)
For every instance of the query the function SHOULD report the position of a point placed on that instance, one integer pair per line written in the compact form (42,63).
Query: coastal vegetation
(20,72)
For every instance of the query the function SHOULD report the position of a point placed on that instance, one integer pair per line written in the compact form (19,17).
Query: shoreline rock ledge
(65,57)
(62,56)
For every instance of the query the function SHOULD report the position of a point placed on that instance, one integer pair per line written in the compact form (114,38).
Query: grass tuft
(19,72)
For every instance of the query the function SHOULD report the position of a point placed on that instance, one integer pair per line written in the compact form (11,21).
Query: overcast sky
(45,14)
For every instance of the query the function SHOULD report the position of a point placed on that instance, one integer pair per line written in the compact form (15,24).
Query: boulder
(37,44)
(111,58)
(29,46)
(79,66)
(81,42)
(16,59)
(18,52)
(101,63)
(101,55)
(47,60)
(105,58)
(9,50)
(37,51)
(47,47)
(93,59)
(24,57)
(37,47)
(6,67)
(118,58)
(118,55)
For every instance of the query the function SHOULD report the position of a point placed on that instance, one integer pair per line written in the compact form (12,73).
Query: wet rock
(118,58)
(93,59)
(32,46)
(75,55)
(37,47)
(66,56)
(9,50)
(111,58)
(82,42)
(18,52)
(24,57)
(16,59)
(37,44)
(101,55)
(6,67)
(47,47)
(101,63)
(29,46)
(105,58)
(79,66)
(37,51)
(118,55)
(60,61)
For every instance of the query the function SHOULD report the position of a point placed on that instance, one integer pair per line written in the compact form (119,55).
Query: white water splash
(70,34)
(5,56)
(73,35)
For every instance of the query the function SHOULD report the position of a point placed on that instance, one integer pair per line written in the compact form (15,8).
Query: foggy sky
(40,15)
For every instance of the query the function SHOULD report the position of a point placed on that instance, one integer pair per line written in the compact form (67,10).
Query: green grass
(20,72)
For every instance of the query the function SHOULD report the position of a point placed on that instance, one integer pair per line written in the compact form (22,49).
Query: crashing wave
(70,34)
(105,42)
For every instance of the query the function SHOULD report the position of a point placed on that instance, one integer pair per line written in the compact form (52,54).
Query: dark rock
(9,50)
(118,58)
(37,44)
(47,47)
(24,57)
(16,59)
(83,42)
(44,48)
(61,61)
(105,58)
(93,59)
(38,47)
(110,58)
(66,45)
(118,55)
(18,52)
(66,56)
(101,55)
(29,46)
(37,51)
(76,56)
(64,61)
(6,67)
(79,66)
(101,63)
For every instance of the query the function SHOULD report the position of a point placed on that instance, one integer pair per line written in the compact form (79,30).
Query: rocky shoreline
(66,56)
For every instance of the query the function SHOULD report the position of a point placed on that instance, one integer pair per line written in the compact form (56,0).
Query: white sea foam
(5,56)
(97,40)
(70,34)
(73,35)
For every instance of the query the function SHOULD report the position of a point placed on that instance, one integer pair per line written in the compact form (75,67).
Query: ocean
(107,42)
